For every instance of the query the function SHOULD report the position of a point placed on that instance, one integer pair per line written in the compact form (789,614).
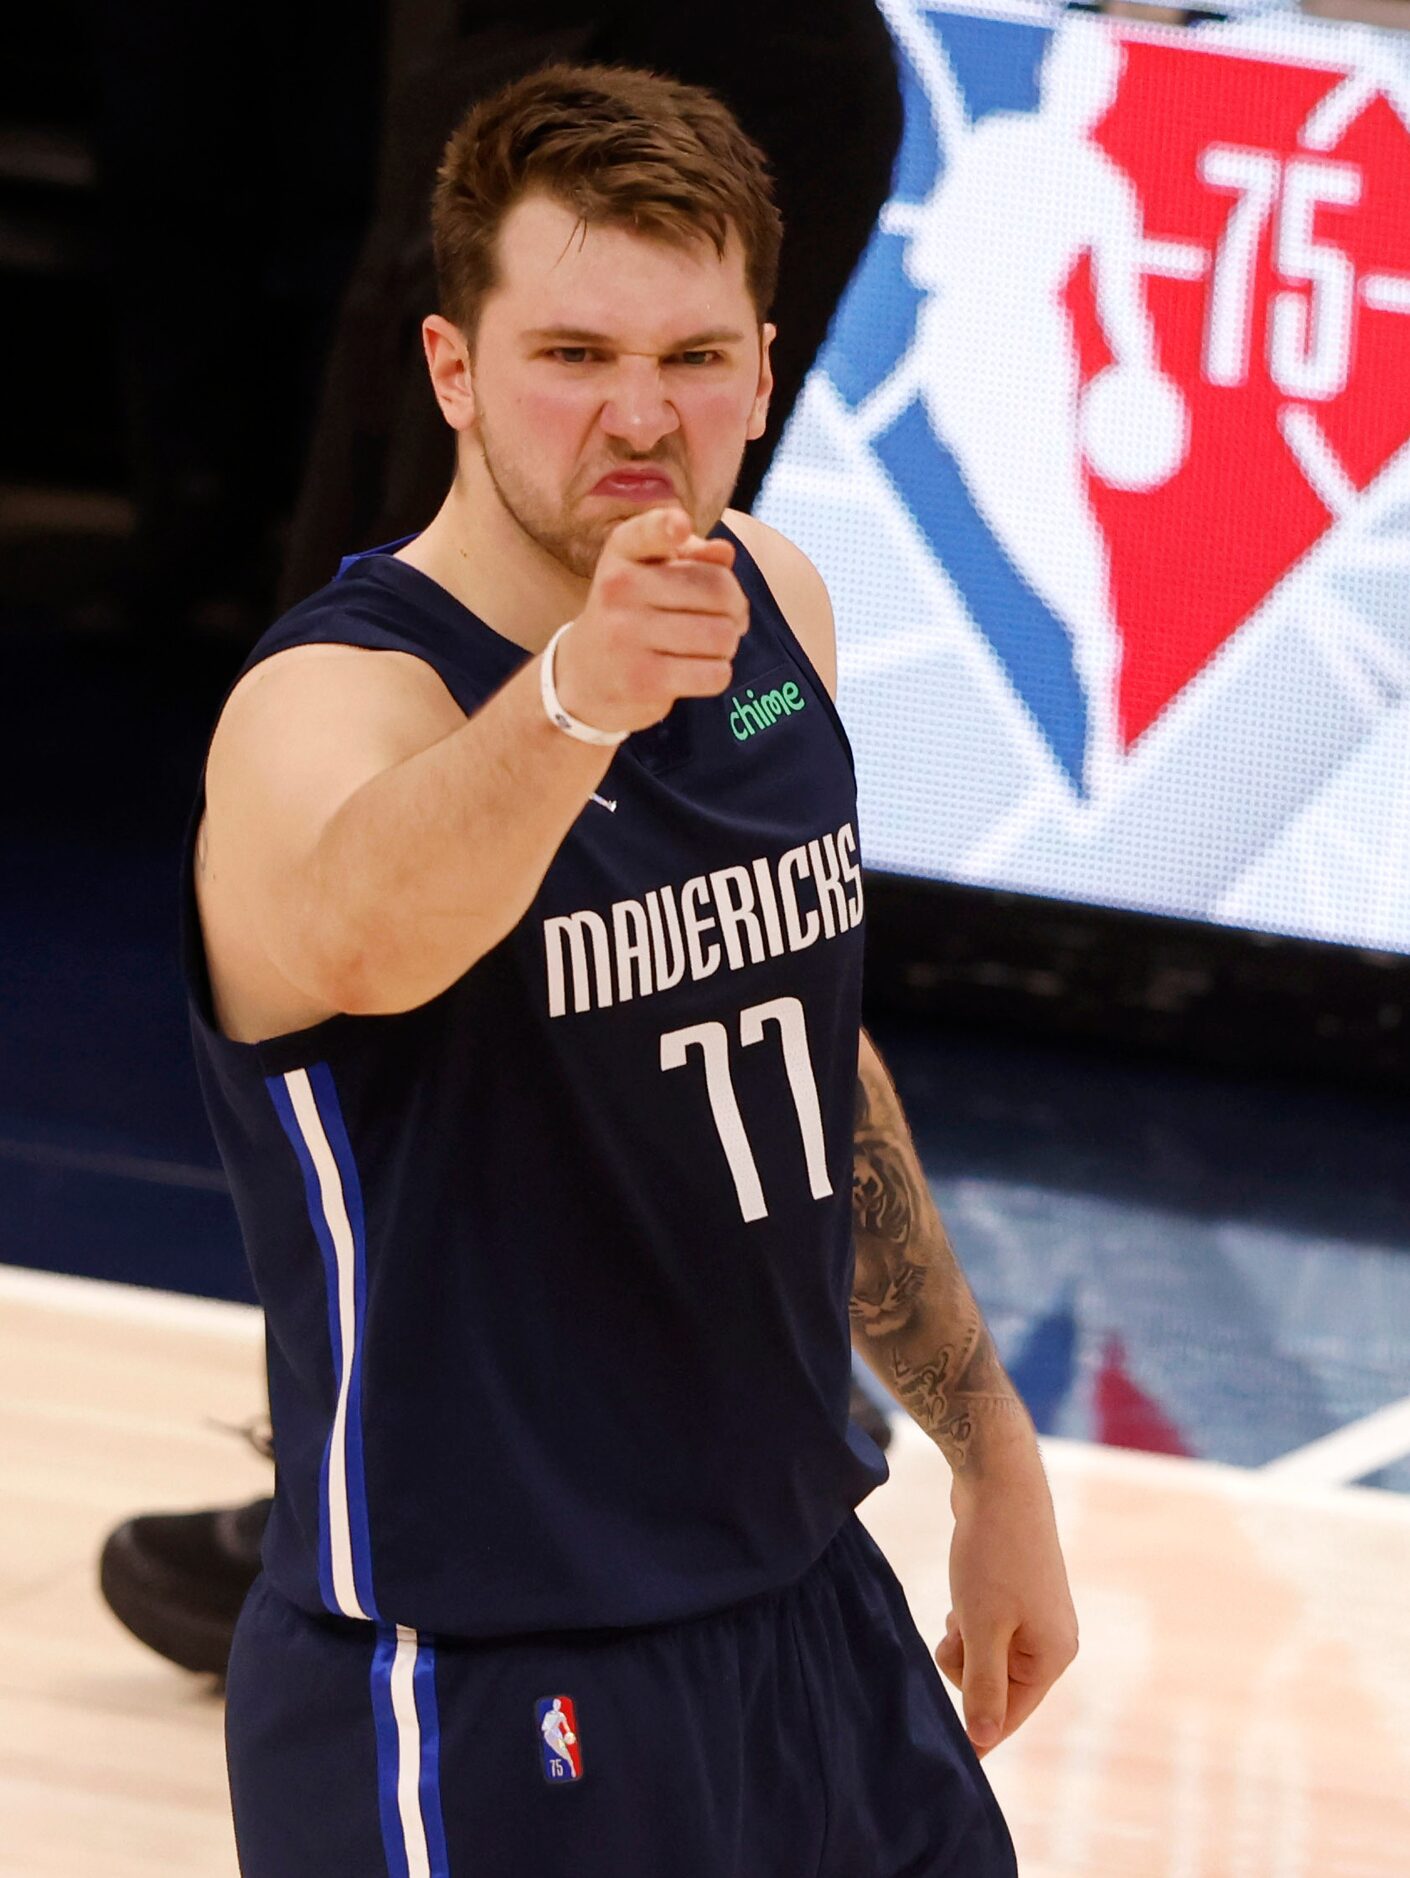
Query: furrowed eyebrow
(578,336)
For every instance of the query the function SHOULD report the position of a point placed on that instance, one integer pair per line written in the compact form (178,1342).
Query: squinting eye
(703,358)
(581,354)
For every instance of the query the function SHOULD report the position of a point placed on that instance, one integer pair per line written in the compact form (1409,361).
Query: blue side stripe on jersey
(279,1095)
(429,1716)
(330,1112)
(388,1753)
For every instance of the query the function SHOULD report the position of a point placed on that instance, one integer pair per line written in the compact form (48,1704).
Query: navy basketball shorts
(803,1734)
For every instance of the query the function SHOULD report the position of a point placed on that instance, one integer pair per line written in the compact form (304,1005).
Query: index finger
(709,548)
(654,535)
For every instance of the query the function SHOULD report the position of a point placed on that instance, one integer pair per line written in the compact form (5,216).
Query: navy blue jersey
(556,1266)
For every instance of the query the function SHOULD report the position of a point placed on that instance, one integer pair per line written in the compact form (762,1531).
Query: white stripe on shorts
(418,1859)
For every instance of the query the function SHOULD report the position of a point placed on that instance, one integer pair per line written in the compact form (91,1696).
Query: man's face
(605,351)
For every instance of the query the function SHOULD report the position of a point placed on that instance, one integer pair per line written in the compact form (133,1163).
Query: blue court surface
(1170,1260)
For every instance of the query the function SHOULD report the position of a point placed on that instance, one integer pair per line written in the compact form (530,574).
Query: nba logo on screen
(1129,351)
(559,1740)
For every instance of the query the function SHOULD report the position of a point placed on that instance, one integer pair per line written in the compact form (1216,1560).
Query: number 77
(713,1041)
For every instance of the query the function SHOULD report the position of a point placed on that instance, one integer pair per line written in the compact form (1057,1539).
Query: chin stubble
(577,550)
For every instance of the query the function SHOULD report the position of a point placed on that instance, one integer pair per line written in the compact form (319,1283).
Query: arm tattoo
(913,1314)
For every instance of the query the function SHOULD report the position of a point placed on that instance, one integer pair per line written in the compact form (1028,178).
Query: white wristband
(553,709)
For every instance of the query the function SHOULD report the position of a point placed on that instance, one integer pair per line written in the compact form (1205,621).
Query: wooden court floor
(1240,1707)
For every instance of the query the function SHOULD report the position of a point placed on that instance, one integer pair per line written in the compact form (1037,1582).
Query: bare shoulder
(797,586)
(326,678)
(299,734)
(314,716)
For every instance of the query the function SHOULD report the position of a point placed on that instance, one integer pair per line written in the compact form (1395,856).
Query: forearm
(427,866)
(914,1316)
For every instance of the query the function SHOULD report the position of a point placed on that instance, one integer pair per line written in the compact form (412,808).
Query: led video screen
(1105,463)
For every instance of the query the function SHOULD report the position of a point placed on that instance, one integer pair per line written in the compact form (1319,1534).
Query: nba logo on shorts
(558,1737)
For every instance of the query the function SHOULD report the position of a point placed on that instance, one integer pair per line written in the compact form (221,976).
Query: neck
(476,550)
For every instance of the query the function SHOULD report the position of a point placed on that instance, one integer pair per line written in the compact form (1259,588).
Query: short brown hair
(618,146)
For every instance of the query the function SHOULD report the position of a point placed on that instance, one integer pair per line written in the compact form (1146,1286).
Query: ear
(448,361)
(758,415)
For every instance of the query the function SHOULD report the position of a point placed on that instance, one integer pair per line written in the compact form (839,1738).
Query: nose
(637,409)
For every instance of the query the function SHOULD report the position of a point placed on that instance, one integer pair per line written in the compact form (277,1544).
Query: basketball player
(524,942)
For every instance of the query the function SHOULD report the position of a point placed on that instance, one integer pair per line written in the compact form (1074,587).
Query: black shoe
(177,1580)
(869,1417)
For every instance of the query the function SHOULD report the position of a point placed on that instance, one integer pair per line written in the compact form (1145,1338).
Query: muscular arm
(914,1317)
